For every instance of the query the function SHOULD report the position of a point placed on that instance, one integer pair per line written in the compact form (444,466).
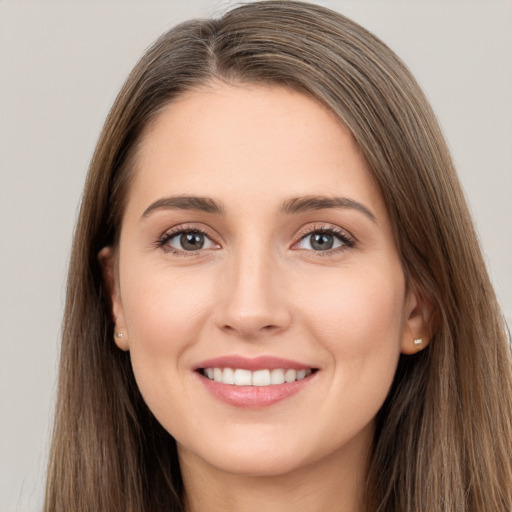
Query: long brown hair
(444,435)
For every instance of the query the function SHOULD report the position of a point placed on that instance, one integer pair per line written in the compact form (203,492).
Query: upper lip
(252,363)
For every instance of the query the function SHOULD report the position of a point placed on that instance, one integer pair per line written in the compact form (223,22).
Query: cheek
(358,316)
(358,321)
(164,313)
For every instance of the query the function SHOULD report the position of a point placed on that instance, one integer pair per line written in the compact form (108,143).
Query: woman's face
(258,287)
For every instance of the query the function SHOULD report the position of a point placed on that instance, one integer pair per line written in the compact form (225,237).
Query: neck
(334,483)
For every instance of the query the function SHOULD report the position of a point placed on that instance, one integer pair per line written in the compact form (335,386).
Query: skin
(258,287)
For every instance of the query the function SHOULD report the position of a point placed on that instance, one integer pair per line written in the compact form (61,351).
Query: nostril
(248,329)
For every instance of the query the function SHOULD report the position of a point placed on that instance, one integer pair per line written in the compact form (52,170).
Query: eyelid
(347,239)
(180,229)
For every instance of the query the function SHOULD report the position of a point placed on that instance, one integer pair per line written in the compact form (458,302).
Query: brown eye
(192,241)
(188,241)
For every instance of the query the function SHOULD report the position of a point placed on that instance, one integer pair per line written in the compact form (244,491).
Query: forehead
(248,142)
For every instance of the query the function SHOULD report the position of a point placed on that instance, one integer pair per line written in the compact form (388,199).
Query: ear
(107,260)
(416,333)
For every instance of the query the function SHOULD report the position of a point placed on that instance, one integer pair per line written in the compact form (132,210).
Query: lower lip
(254,396)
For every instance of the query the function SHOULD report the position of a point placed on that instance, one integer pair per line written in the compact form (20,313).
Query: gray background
(61,64)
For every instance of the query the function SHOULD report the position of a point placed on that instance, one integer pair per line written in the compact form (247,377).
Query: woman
(276,297)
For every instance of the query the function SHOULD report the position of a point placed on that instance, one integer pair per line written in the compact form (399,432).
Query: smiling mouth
(257,378)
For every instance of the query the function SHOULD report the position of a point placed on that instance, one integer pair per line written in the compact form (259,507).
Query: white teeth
(241,377)
(277,376)
(228,376)
(290,375)
(261,378)
(217,374)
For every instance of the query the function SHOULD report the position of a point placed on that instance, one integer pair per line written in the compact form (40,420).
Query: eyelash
(347,242)
(180,230)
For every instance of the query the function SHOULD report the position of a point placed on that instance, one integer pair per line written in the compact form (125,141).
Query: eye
(325,239)
(192,240)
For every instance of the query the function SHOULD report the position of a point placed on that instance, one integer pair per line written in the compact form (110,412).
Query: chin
(251,459)
(251,465)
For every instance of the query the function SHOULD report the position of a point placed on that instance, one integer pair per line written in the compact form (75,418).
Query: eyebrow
(202,204)
(289,207)
(311,203)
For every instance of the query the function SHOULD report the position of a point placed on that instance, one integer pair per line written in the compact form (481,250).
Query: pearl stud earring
(417,342)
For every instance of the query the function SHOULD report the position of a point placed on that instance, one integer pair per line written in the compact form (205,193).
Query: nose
(253,303)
